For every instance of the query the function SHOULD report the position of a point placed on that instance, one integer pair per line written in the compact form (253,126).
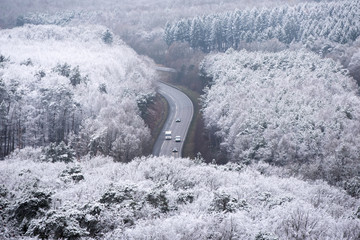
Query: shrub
(265,236)
(158,200)
(33,205)
(91,218)
(63,70)
(58,153)
(118,195)
(3,201)
(352,187)
(107,37)
(57,225)
(223,202)
(72,174)
(185,198)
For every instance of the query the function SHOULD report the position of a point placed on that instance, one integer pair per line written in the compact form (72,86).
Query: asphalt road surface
(180,107)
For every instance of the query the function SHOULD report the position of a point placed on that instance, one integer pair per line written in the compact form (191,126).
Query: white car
(177,139)
(167,135)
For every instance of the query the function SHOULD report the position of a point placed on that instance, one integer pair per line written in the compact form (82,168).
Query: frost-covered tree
(115,132)
(107,37)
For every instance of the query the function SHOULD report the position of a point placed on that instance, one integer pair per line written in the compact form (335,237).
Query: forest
(279,112)
(335,21)
(290,108)
(140,23)
(328,28)
(167,198)
(52,93)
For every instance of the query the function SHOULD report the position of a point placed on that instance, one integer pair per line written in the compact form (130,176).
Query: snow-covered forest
(338,21)
(279,86)
(167,198)
(329,28)
(290,108)
(140,23)
(81,86)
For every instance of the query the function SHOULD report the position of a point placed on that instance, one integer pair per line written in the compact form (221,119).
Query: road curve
(180,106)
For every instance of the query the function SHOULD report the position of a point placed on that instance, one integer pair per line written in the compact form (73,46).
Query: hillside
(166,198)
(328,28)
(82,86)
(290,108)
(140,23)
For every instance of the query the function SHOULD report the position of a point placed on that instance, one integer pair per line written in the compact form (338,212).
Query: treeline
(89,101)
(335,21)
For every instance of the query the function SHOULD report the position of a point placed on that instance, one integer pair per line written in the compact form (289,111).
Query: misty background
(139,23)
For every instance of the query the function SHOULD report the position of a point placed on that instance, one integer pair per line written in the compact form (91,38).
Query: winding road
(180,106)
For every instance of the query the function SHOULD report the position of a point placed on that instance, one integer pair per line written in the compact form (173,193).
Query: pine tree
(75,77)
(169,34)
(107,37)
(3,117)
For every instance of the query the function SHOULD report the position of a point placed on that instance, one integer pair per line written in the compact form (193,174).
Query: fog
(133,11)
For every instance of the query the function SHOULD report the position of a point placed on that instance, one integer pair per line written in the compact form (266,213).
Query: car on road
(174,150)
(178,120)
(177,139)
(167,135)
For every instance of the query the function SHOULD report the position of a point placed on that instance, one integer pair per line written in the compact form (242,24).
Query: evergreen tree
(3,117)
(107,37)
(169,34)
(75,77)
(63,70)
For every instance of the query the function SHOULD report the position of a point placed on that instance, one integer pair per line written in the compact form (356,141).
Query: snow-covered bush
(58,153)
(118,195)
(352,186)
(265,236)
(223,202)
(31,206)
(72,174)
(58,225)
(158,199)
(289,108)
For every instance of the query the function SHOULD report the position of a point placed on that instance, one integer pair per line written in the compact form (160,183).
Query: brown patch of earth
(155,118)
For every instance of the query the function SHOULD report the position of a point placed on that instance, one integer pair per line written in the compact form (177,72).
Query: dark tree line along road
(180,106)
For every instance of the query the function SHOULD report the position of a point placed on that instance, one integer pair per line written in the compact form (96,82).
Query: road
(180,106)
(165,69)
